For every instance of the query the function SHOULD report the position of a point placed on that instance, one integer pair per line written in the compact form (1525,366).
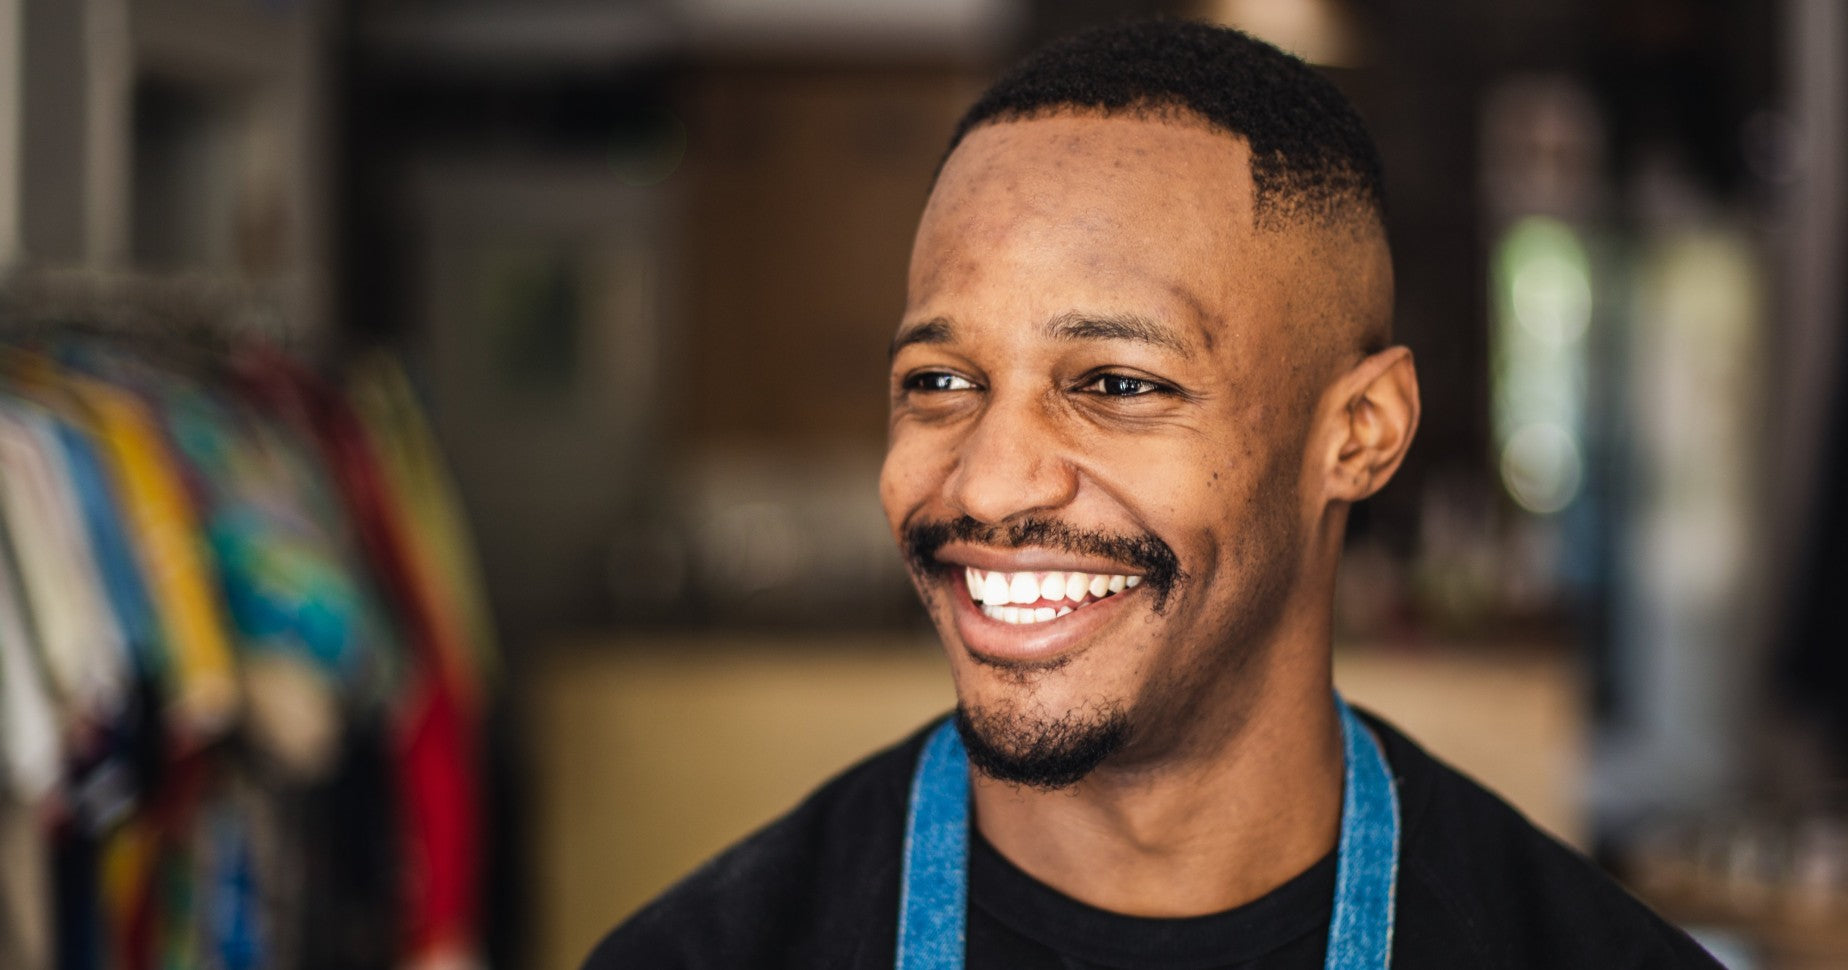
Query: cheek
(914,470)
(1182,485)
(1251,479)
(1224,507)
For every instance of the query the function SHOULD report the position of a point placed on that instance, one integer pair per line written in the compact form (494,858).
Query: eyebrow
(1070,325)
(1073,325)
(936,330)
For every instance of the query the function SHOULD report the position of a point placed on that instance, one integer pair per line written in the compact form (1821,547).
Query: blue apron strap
(1367,861)
(934,893)
(933,899)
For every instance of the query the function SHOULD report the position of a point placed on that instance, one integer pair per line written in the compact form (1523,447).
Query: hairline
(1275,207)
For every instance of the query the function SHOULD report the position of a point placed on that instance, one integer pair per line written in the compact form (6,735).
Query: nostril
(996,481)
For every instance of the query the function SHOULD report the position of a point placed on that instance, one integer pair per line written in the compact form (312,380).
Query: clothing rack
(244,657)
(204,311)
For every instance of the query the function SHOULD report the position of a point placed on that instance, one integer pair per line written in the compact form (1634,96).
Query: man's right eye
(937,380)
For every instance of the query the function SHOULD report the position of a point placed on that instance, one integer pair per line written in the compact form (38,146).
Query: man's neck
(1214,828)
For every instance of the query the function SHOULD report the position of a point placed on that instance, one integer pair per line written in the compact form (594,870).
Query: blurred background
(280,686)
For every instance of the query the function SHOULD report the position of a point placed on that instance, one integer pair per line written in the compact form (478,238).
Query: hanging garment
(437,751)
(300,622)
(107,778)
(280,394)
(115,558)
(436,533)
(31,747)
(264,567)
(165,534)
(35,378)
(25,894)
(80,643)
(30,756)
(100,716)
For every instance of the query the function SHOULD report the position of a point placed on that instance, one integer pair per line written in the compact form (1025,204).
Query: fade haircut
(1311,157)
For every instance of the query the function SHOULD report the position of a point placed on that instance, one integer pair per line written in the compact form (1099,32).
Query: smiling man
(1144,371)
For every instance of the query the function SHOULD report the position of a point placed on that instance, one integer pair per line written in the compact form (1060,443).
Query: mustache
(1143,553)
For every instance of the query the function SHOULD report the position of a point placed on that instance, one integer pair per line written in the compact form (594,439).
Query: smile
(1039,597)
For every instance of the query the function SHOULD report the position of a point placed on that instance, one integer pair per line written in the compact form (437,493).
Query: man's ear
(1374,412)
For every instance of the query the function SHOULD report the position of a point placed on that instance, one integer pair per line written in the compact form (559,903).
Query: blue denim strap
(1367,861)
(933,899)
(934,894)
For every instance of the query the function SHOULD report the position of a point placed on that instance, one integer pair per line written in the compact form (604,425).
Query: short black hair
(1311,155)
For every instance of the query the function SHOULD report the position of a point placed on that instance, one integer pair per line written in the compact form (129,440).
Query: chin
(1041,747)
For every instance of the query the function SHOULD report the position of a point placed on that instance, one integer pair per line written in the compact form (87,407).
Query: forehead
(1032,219)
(1095,151)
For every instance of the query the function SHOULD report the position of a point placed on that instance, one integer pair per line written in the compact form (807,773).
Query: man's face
(1097,435)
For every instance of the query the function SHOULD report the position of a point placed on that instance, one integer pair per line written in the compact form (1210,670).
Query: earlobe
(1377,417)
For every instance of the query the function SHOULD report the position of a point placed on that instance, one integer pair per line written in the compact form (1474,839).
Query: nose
(1010,462)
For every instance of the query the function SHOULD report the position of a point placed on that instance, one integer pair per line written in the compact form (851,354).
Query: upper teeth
(1000,589)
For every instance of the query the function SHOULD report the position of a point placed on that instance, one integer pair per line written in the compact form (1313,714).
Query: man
(1143,373)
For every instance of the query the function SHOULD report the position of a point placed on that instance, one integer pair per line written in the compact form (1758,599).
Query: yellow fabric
(424,497)
(127,861)
(166,537)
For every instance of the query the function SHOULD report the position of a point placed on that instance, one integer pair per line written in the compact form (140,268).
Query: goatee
(1047,754)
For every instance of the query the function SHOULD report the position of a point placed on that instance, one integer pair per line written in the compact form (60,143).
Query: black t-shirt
(1018,922)
(1478,887)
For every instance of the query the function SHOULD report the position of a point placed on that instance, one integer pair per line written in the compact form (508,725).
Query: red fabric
(171,816)
(440,809)
(438,802)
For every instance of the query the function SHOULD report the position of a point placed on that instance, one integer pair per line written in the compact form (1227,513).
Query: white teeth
(1064,610)
(1010,614)
(995,590)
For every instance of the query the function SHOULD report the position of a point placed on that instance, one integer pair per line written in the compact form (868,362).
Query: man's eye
(1119,385)
(938,381)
